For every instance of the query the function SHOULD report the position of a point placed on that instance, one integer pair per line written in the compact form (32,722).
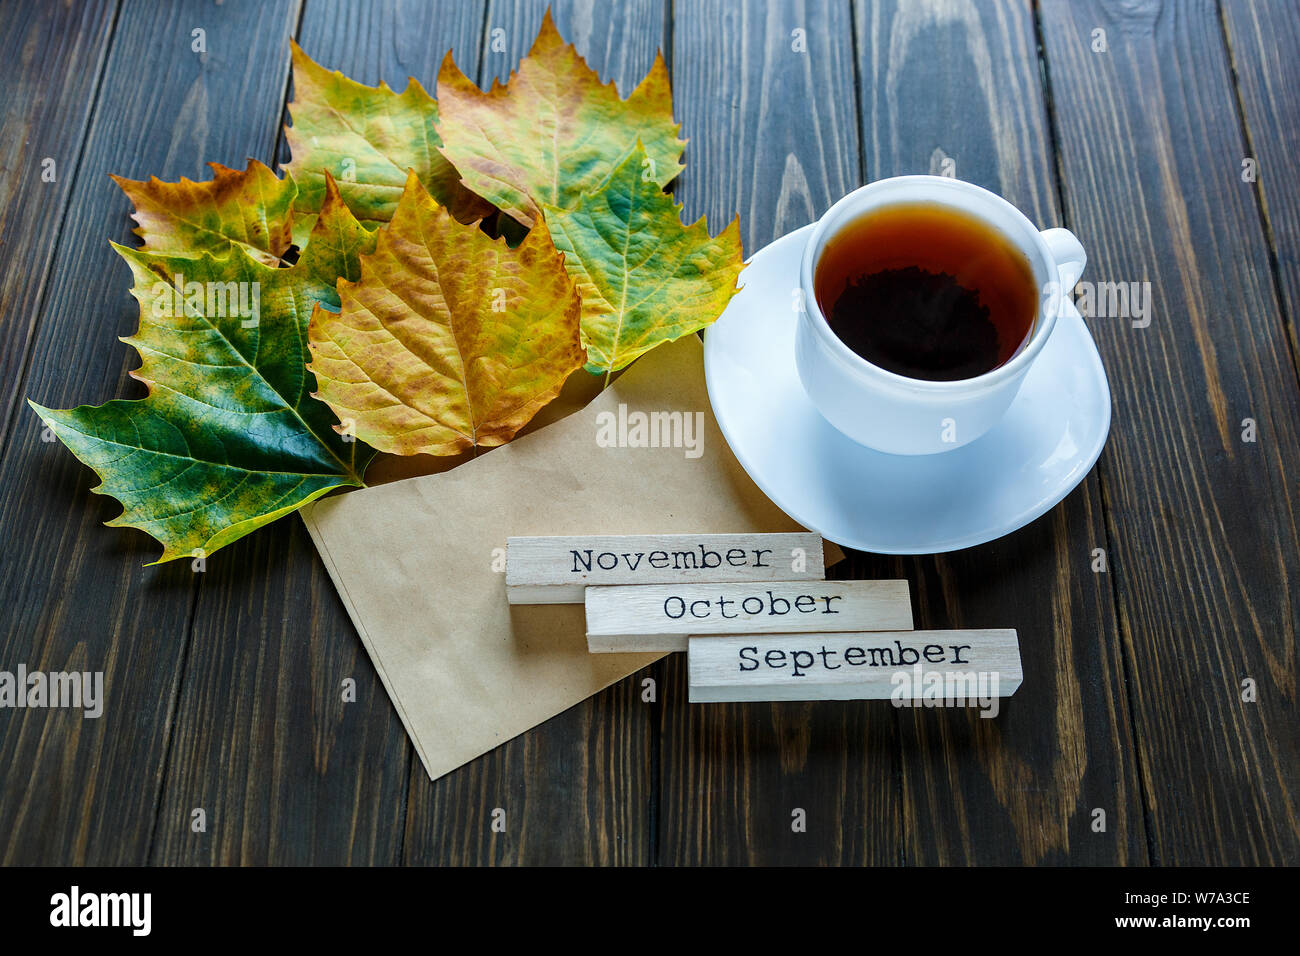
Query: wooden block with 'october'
(913,667)
(660,617)
(557,570)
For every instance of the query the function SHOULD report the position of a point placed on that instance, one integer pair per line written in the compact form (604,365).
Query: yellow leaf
(451,339)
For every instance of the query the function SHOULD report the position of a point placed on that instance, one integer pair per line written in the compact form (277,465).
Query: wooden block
(660,617)
(906,666)
(557,570)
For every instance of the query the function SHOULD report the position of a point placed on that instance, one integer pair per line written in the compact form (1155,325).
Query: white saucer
(891,504)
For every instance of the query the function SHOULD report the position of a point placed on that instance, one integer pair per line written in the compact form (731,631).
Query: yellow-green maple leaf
(645,278)
(249,209)
(450,339)
(367,137)
(554,131)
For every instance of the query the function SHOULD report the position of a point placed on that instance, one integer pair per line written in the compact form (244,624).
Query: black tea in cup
(927,291)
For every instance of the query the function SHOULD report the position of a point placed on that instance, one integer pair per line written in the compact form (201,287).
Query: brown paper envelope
(414,560)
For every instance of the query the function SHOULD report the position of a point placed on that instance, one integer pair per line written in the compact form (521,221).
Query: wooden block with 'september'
(660,617)
(558,569)
(910,667)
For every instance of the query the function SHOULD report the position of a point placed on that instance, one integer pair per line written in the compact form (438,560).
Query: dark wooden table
(222,686)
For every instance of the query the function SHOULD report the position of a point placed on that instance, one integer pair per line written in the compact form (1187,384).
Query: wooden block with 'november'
(660,617)
(557,570)
(910,667)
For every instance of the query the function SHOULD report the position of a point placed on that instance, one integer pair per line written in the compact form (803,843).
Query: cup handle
(1068,252)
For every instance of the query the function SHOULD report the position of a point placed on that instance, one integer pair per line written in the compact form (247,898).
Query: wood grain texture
(578,788)
(76,593)
(765,142)
(1203,524)
(944,79)
(46,115)
(288,772)
(1264,46)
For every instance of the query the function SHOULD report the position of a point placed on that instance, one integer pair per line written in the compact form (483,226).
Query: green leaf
(367,137)
(229,438)
(645,279)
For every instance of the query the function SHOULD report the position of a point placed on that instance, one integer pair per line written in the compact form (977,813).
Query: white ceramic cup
(907,416)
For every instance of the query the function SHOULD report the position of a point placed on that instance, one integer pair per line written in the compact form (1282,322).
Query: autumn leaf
(367,137)
(250,209)
(228,438)
(554,131)
(645,278)
(451,339)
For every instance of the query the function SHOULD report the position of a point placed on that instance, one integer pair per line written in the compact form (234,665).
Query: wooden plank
(772,129)
(960,82)
(660,617)
(558,569)
(932,668)
(577,789)
(1203,522)
(308,778)
(78,596)
(47,112)
(1264,45)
